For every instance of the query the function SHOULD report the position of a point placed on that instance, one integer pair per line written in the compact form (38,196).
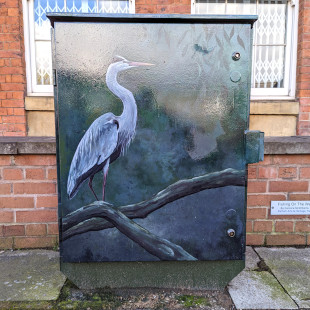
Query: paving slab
(30,275)
(258,290)
(251,259)
(291,266)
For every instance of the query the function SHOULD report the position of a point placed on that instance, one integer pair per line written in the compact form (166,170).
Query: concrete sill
(47,145)
(27,145)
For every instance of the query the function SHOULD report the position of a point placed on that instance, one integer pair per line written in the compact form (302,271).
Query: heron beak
(137,64)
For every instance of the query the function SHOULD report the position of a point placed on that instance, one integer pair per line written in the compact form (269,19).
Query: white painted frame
(288,92)
(30,55)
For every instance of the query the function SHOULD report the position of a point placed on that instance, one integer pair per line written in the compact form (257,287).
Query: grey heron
(107,137)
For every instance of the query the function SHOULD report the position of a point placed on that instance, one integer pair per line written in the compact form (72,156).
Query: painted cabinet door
(150,126)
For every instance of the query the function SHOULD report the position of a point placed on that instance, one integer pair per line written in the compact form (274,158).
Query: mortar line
(270,271)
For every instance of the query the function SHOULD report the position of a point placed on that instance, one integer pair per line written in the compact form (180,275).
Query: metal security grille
(41,45)
(270,36)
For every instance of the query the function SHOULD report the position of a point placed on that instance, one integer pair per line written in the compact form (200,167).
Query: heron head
(122,63)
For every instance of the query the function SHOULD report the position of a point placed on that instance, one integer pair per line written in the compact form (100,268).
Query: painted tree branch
(90,218)
(159,247)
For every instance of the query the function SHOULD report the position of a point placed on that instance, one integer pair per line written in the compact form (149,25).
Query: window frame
(288,92)
(30,54)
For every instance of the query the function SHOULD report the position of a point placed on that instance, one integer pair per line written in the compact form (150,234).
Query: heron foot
(90,184)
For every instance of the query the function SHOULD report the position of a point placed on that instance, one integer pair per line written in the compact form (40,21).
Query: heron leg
(105,173)
(90,184)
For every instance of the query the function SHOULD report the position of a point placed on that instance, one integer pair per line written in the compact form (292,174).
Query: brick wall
(28,201)
(163,6)
(278,177)
(12,69)
(303,68)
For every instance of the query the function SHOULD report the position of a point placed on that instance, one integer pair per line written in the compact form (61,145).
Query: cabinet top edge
(152,18)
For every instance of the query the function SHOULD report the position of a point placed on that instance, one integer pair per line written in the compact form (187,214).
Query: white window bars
(274,42)
(37,34)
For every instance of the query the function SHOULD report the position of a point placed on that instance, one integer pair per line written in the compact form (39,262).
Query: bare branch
(161,248)
(90,218)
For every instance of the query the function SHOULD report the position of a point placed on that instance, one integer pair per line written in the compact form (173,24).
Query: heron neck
(129,115)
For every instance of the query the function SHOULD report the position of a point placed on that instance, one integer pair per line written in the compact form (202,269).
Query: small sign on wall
(290,207)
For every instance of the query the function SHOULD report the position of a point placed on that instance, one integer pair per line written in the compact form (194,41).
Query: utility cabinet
(152,113)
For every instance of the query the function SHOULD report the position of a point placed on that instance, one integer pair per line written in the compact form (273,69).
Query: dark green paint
(191,121)
(190,275)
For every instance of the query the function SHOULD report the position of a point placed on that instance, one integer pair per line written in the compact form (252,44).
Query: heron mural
(180,124)
(108,136)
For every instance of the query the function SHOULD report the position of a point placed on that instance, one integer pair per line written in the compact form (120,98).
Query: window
(37,34)
(274,42)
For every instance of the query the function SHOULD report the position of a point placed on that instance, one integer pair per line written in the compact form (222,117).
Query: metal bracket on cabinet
(254,146)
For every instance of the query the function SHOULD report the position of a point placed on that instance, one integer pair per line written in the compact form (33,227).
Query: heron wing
(97,144)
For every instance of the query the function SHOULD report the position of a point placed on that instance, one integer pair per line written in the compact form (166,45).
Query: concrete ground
(274,278)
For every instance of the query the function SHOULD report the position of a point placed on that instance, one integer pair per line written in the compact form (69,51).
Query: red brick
(36,216)
(34,188)
(13,12)
(182,9)
(305,173)
(291,159)
(14,134)
(287,172)
(145,9)
(5,189)
(13,230)
(10,54)
(302,226)
(16,202)
(13,119)
(299,197)
(262,226)
(12,103)
(288,186)
(19,111)
(5,160)
(36,230)
(17,78)
(52,174)
(256,213)
(3,111)
(284,226)
(257,186)
(35,174)
(11,3)
(304,117)
(6,243)
(8,78)
(255,239)
(268,160)
(12,174)
(13,86)
(35,160)
(267,172)
(6,217)
(249,226)
(34,242)
(20,127)
(285,217)
(11,70)
(47,202)
(263,200)
(252,172)
(18,95)
(52,229)
(286,239)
